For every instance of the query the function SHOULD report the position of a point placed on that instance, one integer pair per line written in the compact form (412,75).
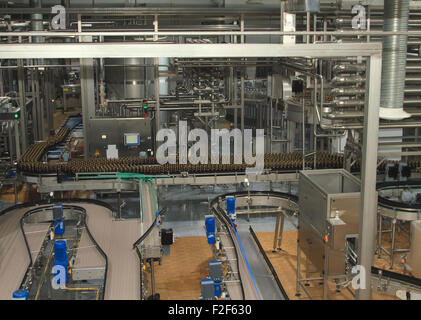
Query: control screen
(131,139)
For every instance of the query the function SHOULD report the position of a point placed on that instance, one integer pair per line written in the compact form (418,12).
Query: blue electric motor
(217,288)
(12,173)
(211,238)
(20,295)
(210,224)
(60,258)
(60,250)
(58,227)
(230,205)
(61,267)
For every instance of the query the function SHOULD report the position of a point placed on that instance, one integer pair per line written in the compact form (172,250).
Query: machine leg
(151,262)
(119,204)
(392,250)
(379,254)
(325,273)
(276,232)
(297,289)
(16,192)
(281,230)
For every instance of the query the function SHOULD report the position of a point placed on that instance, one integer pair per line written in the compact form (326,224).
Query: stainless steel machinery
(131,136)
(328,223)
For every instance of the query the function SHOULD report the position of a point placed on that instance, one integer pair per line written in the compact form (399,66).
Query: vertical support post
(326,272)
(243,71)
(87,96)
(1,82)
(17,140)
(119,205)
(291,135)
(368,213)
(141,207)
(281,231)
(276,232)
(156,82)
(304,132)
(392,249)
(242,28)
(242,102)
(151,262)
(297,288)
(235,94)
(379,250)
(281,22)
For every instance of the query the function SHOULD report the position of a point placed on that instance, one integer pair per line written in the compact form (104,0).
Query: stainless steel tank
(129,78)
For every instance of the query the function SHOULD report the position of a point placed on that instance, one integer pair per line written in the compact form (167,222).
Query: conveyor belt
(282,292)
(264,281)
(396,276)
(116,239)
(252,272)
(31,162)
(248,285)
(14,259)
(87,255)
(398,185)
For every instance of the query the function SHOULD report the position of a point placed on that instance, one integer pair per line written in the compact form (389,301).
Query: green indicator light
(145,107)
(16,115)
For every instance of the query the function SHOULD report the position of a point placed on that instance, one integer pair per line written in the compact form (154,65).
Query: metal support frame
(392,231)
(22,103)
(163,50)
(279,228)
(368,216)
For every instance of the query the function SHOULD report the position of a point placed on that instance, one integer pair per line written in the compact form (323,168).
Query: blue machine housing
(60,250)
(20,295)
(60,257)
(210,224)
(58,227)
(230,205)
(211,238)
(65,270)
(217,288)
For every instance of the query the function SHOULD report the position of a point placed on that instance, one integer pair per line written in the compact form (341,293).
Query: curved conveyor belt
(398,209)
(114,238)
(249,285)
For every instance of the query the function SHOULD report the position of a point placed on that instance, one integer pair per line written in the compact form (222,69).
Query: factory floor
(179,275)
(181,271)
(285,264)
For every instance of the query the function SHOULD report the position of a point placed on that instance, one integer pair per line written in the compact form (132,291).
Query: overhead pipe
(36,20)
(396,14)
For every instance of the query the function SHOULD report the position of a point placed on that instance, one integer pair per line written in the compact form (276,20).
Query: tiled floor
(285,264)
(181,271)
